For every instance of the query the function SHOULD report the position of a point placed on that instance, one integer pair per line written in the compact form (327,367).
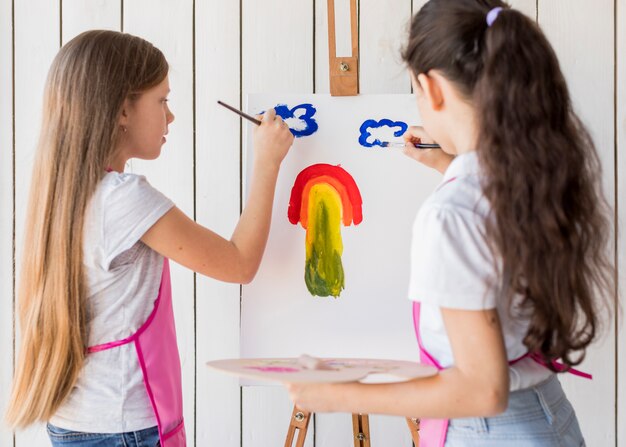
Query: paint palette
(328,371)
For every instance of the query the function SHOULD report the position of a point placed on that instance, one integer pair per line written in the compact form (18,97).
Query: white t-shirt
(123,277)
(452,267)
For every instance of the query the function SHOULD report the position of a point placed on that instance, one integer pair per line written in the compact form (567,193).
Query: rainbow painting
(322,198)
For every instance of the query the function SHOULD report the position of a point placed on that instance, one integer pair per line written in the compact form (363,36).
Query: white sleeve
(131,207)
(451,264)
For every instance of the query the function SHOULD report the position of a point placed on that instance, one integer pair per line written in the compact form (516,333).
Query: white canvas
(372,318)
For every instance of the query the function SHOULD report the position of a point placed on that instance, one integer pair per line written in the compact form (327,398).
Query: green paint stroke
(323,272)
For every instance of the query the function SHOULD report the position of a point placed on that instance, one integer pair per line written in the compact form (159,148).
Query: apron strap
(560,367)
(425,356)
(132,338)
(111,344)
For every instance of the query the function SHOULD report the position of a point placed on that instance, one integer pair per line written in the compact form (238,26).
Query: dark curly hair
(550,225)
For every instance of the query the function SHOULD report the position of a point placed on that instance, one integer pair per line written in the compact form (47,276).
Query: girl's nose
(170,116)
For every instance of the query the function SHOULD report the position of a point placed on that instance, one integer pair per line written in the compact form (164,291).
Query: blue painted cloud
(365,139)
(299,118)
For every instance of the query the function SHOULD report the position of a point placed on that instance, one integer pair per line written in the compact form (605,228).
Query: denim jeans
(142,438)
(536,416)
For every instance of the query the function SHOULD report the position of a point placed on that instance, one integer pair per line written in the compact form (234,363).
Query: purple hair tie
(493,15)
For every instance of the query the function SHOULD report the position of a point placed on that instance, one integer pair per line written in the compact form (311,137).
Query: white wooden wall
(225,50)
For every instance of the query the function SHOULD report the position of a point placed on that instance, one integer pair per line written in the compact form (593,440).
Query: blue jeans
(536,416)
(142,438)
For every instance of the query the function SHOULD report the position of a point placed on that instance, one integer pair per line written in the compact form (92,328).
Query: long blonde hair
(88,82)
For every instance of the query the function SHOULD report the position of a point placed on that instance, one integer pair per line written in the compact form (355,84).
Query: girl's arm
(237,260)
(476,386)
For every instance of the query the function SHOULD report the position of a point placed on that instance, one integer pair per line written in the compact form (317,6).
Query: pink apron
(433,431)
(157,352)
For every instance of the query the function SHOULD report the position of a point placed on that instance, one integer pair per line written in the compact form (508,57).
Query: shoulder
(123,180)
(451,261)
(450,234)
(458,204)
(123,208)
(463,194)
(127,199)
(122,188)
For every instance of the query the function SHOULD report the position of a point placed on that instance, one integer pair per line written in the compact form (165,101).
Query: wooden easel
(305,369)
(360,428)
(344,71)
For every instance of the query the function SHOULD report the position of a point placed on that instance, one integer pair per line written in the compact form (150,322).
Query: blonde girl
(98,359)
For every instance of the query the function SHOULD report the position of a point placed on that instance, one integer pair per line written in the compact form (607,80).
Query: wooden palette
(329,370)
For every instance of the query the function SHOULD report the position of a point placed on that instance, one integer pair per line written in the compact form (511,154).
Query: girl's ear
(430,84)
(124,116)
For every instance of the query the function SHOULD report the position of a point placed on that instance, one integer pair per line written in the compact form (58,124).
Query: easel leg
(414,427)
(299,422)
(361,430)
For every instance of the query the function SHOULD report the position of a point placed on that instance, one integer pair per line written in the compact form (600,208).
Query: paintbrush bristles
(390,144)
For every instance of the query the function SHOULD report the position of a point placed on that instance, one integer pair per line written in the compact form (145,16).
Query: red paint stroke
(335,176)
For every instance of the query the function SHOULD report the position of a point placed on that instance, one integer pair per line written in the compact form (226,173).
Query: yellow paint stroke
(324,274)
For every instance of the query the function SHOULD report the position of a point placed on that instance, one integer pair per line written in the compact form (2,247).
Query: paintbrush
(401,145)
(240,113)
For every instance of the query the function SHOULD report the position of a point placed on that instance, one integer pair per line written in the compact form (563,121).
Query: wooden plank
(389,430)
(332,429)
(528,7)
(37,40)
(36,51)
(381,71)
(590,62)
(168,26)
(34,54)
(79,16)
(6,212)
(383,32)
(383,29)
(321,75)
(218,404)
(343,47)
(277,58)
(277,53)
(621,200)
(336,429)
(267,414)
(381,67)
(29,90)
(417,5)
